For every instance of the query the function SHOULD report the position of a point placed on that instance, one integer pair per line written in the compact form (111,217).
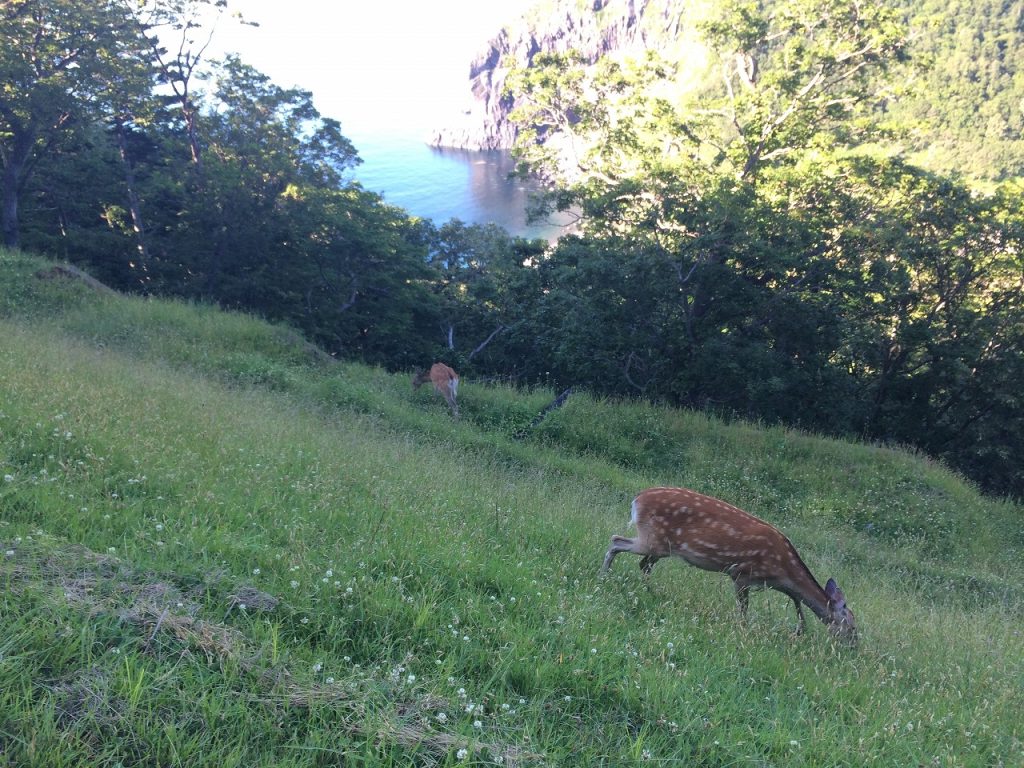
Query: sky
(388,65)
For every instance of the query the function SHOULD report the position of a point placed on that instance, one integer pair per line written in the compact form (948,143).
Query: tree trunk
(13,168)
(134,206)
(10,205)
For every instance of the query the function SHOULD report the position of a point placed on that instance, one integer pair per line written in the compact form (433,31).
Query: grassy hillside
(218,548)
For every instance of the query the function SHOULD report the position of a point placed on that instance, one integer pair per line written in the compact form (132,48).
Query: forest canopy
(756,249)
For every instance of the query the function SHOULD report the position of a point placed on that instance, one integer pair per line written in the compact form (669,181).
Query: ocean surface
(443,184)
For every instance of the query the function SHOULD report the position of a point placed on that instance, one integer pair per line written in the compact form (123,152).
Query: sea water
(444,184)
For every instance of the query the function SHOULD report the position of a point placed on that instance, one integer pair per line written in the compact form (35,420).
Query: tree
(480,277)
(56,59)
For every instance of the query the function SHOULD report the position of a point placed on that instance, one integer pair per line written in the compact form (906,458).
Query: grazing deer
(715,536)
(445,381)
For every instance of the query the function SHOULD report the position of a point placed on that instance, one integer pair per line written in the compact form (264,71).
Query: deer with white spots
(715,536)
(445,381)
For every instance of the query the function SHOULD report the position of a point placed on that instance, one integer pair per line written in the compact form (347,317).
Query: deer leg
(800,617)
(619,544)
(742,596)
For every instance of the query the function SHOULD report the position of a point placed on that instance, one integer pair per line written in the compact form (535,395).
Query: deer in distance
(445,381)
(715,536)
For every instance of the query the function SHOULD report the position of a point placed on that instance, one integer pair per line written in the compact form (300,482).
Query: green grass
(218,548)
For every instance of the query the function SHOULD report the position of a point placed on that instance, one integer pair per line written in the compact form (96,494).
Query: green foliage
(196,573)
(738,254)
(961,112)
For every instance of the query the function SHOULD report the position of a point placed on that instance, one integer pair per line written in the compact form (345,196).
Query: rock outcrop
(593,29)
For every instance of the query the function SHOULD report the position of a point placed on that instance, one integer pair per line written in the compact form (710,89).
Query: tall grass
(218,548)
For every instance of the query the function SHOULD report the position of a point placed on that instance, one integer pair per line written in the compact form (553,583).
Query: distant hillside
(963,110)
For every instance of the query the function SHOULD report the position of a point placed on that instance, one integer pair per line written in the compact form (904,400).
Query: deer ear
(833,593)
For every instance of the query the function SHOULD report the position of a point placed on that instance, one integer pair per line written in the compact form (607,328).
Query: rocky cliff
(594,29)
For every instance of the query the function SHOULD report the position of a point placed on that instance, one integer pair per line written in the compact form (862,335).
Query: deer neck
(805,588)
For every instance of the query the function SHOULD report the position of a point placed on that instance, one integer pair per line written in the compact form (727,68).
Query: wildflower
(159,526)
(111,550)
(10,553)
(294,584)
(646,754)
(477,724)
(329,573)
(242,606)
(8,478)
(346,659)
(794,743)
(410,679)
(593,651)
(462,754)
(317,667)
(329,681)
(442,717)
(255,571)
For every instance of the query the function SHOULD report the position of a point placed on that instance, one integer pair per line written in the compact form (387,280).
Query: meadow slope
(219,548)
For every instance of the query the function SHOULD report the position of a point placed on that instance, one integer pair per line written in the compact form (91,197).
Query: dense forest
(759,248)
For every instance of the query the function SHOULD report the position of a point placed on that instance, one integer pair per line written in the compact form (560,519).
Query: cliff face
(593,29)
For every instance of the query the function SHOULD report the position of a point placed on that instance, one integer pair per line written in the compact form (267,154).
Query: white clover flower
(330,572)
(317,667)
(329,681)
(346,659)
(10,553)
(255,571)
(294,584)
(593,651)
(442,717)
(410,679)
(8,478)
(646,754)
(462,754)
(242,606)
(477,724)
